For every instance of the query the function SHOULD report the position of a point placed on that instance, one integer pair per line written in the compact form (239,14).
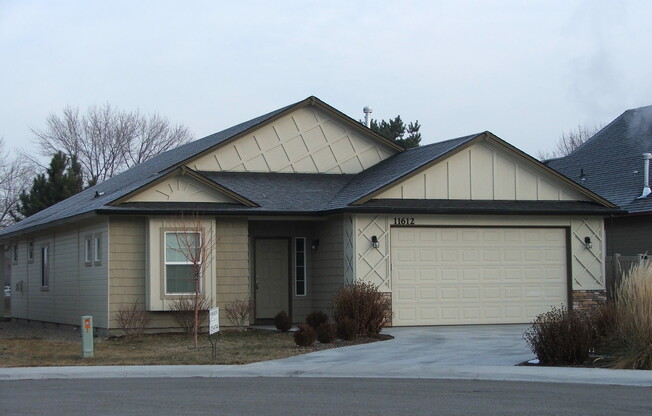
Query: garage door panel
(470,276)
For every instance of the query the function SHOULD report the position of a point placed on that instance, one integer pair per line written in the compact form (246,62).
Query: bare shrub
(305,336)
(238,312)
(133,320)
(184,312)
(326,333)
(347,329)
(560,337)
(630,343)
(282,321)
(315,319)
(363,304)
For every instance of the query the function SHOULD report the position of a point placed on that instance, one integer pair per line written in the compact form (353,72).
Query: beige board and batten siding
(483,171)
(305,141)
(328,263)
(74,288)
(232,263)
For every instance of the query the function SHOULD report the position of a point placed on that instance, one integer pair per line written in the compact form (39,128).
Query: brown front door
(271,277)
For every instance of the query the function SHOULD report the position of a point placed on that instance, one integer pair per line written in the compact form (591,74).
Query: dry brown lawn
(163,349)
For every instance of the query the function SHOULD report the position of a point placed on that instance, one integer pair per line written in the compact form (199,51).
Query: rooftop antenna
(367,116)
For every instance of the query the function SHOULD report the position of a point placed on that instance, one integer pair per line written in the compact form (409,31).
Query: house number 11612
(403,221)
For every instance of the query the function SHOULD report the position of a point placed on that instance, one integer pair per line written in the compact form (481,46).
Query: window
(88,250)
(30,251)
(300,266)
(14,253)
(97,249)
(45,263)
(182,255)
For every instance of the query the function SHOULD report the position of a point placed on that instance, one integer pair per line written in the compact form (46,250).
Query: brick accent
(584,300)
(390,314)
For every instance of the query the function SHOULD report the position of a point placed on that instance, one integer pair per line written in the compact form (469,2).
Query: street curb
(271,369)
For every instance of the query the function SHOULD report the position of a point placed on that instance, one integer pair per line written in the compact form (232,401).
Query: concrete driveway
(472,345)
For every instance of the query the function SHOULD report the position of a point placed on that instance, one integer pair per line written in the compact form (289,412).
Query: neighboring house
(612,164)
(304,199)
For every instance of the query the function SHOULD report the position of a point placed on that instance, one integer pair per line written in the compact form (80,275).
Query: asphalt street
(316,396)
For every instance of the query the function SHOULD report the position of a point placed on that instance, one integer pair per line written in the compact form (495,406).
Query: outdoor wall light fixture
(587,242)
(315,245)
(374,241)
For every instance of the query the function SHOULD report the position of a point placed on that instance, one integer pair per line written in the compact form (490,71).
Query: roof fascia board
(418,170)
(45,226)
(542,166)
(186,171)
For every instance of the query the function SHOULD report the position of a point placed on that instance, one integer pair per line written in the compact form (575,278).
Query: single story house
(615,163)
(304,199)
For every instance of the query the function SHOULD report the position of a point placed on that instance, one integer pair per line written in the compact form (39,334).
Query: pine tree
(61,180)
(396,131)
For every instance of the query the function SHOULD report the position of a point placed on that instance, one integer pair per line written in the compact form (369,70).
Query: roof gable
(483,170)
(306,139)
(181,187)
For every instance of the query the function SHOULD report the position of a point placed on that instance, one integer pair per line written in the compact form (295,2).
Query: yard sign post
(213,327)
(87,336)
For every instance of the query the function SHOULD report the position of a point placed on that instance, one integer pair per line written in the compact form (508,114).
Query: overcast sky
(524,70)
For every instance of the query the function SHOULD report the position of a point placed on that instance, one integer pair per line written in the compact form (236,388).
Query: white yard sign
(214,321)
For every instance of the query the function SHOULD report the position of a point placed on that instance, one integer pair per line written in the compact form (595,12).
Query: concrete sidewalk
(487,352)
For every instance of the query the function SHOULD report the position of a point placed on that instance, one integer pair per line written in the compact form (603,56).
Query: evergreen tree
(61,180)
(396,131)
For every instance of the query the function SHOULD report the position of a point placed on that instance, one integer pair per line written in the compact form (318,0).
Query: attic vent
(367,115)
(646,175)
(98,194)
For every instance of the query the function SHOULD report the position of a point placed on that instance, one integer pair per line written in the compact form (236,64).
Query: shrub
(347,329)
(326,333)
(305,336)
(184,312)
(133,320)
(630,342)
(561,337)
(282,321)
(314,319)
(365,305)
(238,312)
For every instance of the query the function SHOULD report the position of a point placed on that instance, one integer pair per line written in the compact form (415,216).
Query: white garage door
(450,276)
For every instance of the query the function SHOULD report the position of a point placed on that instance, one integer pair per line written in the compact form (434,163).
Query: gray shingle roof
(611,160)
(288,193)
(86,201)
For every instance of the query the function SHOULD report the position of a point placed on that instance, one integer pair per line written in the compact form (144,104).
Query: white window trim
(97,249)
(30,251)
(172,263)
(88,250)
(304,269)
(14,253)
(45,267)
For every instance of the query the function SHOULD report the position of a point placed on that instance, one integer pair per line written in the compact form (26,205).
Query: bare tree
(107,141)
(15,176)
(195,243)
(569,141)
